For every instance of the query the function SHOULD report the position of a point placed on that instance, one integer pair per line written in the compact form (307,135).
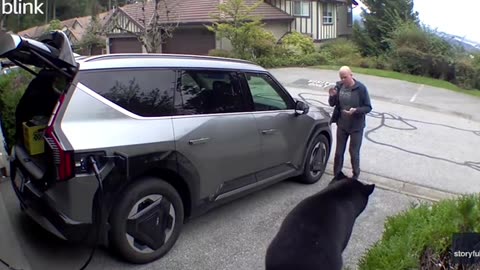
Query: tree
(93,36)
(158,19)
(381,19)
(235,22)
(54,25)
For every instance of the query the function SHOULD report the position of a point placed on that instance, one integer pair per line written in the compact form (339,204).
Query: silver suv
(121,150)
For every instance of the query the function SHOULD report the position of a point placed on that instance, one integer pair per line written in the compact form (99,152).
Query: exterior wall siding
(126,23)
(278,29)
(328,31)
(223,44)
(312,25)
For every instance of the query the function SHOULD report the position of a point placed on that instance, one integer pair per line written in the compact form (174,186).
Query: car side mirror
(301,107)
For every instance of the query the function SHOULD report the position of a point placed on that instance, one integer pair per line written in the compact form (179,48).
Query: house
(321,19)
(74,28)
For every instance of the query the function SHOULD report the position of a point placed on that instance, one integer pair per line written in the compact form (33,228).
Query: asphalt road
(415,133)
(426,138)
(234,236)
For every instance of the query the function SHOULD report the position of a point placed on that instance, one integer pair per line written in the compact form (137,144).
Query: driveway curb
(401,186)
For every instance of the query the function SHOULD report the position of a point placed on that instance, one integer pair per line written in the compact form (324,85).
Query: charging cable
(8,265)
(97,209)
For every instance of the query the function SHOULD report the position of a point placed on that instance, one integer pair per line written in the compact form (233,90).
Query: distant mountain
(455,40)
(468,45)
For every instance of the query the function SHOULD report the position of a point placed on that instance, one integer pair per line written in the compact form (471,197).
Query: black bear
(315,233)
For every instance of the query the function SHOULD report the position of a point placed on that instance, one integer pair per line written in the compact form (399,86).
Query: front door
(214,134)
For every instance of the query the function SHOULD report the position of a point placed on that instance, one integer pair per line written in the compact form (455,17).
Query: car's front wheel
(316,160)
(146,222)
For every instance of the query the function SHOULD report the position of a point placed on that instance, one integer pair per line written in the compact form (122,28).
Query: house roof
(195,11)
(76,26)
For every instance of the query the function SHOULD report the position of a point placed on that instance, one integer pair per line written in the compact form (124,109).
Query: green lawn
(408,78)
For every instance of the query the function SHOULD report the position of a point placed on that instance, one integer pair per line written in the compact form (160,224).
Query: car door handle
(198,141)
(268,131)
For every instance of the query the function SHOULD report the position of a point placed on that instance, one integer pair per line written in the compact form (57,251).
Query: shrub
(341,49)
(408,60)
(261,42)
(466,75)
(298,43)
(311,59)
(272,61)
(221,53)
(412,235)
(12,86)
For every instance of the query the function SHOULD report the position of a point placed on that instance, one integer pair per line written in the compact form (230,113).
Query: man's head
(346,76)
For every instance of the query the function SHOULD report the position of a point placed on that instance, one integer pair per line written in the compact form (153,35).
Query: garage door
(190,41)
(125,45)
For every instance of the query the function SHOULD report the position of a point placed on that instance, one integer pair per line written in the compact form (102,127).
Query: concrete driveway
(420,142)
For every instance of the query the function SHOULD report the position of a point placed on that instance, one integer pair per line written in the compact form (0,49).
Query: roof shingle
(196,11)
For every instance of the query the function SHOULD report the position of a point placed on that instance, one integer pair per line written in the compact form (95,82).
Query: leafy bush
(420,51)
(245,30)
(409,235)
(298,43)
(409,60)
(272,61)
(341,48)
(311,59)
(12,86)
(259,42)
(466,75)
(341,52)
(221,53)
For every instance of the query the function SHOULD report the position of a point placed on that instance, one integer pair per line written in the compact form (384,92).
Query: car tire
(319,146)
(146,222)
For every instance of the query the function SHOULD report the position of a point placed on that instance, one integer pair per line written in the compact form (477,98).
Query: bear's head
(352,190)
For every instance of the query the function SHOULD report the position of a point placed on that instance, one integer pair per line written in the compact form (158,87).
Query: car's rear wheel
(316,160)
(146,222)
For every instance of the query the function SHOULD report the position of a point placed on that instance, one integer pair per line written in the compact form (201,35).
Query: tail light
(62,159)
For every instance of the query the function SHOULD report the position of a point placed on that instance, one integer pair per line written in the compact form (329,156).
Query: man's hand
(332,91)
(351,111)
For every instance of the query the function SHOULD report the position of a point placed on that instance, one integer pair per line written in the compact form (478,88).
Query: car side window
(206,92)
(265,93)
(145,92)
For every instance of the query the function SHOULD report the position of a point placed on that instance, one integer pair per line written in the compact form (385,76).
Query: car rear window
(145,92)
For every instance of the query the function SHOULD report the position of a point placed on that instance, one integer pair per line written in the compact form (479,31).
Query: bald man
(352,102)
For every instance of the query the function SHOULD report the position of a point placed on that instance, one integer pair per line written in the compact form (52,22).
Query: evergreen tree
(381,19)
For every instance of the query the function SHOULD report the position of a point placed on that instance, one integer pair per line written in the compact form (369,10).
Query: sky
(459,17)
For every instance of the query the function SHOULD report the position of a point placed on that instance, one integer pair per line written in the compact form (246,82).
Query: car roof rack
(163,55)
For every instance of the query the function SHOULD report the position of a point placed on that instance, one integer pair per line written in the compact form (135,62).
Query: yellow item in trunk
(33,137)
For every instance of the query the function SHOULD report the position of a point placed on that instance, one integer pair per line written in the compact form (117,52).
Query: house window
(349,16)
(301,8)
(327,13)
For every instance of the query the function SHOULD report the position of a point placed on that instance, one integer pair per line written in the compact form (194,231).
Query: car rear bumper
(41,209)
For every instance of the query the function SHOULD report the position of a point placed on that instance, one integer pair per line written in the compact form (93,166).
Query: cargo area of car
(32,116)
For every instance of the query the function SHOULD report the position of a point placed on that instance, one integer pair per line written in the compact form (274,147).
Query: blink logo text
(21,8)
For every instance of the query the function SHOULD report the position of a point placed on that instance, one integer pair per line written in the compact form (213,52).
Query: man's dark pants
(354,149)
